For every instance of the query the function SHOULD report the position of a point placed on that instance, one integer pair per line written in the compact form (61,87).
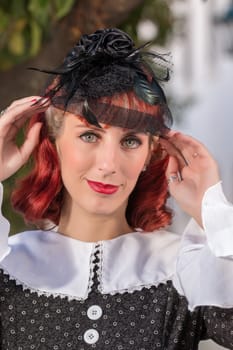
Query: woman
(102,272)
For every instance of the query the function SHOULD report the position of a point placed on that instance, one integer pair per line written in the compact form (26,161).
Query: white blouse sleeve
(204,272)
(218,221)
(4,230)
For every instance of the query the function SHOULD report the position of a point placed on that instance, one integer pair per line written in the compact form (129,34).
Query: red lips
(102,188)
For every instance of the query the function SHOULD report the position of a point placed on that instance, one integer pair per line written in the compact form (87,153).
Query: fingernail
(35,101)
(40,101)
(44,101)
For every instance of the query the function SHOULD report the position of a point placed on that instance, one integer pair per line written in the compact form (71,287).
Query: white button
(94,312)
(91,336)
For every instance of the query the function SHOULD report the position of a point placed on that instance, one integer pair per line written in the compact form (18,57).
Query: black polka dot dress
(139,291)
(152,318)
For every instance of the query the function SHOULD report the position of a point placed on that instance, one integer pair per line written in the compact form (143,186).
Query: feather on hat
(106,63)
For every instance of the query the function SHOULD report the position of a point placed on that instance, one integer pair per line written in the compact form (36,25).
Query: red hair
(147,203)
(39,196)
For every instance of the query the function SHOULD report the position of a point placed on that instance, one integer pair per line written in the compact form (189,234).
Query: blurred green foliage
(24,24)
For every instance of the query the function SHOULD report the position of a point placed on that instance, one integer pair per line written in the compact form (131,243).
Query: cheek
(133,171)
(72,158)
(135,165)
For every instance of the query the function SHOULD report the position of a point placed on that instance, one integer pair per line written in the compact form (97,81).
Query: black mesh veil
(106,63)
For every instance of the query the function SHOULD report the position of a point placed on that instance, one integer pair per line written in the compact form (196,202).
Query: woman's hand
(191,171)
(12,119)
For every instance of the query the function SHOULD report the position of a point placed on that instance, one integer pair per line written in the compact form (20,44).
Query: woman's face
(100,167)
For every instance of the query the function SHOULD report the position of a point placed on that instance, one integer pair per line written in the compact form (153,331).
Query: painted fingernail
(34,100)
(40,102)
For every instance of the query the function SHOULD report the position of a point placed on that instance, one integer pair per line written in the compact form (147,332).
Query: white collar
(52,264)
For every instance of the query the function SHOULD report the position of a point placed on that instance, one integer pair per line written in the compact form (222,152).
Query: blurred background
(197,33)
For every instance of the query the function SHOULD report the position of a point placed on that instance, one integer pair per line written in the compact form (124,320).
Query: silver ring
(2,112)
(172,178)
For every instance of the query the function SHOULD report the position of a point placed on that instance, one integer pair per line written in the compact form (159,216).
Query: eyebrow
(89,127)
(126,131)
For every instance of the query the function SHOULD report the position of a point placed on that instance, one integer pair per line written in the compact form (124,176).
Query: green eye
(131,142)
(89,137)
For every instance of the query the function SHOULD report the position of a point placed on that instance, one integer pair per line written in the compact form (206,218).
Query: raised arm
(13,157)
(12,120)
(191,171)
(205,262)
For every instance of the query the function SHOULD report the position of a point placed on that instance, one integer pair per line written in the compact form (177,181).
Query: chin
(104,208)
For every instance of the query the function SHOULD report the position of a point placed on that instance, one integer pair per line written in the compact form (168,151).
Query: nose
(108,159)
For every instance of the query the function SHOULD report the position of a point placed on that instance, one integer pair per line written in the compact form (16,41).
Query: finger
(177,136)
(172,167)
(172,173)
(20,121)
(18,115)
(17,102)
(30,142)
(29,106)
(189,146)
(173,151)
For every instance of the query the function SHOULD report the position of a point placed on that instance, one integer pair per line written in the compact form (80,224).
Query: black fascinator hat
(106,63)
